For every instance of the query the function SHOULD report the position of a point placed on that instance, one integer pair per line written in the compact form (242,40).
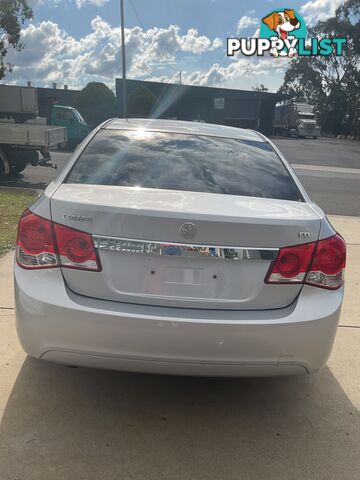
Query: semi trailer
(295,118)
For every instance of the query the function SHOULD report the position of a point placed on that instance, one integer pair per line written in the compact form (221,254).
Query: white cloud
(78,3)
(51,54)
(192,42)
(319,10)
(97,3)
(217,43)
(246,22)
(242,68)
(35,3)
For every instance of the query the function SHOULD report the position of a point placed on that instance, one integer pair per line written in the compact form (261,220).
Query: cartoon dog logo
(283,23)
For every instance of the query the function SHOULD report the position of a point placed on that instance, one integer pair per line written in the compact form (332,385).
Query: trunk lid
(145,249)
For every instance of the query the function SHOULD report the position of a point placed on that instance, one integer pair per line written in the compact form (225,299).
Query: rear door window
(172,161)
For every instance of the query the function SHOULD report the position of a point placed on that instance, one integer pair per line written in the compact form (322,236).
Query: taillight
(35,242)
(320,264)
(291,264)
(328,266)
(75,248)
(43,244)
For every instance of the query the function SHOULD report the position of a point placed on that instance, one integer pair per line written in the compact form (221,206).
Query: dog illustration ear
(270,21)
(290,13)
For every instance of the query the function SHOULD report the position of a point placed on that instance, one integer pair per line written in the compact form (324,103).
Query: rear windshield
(174,161)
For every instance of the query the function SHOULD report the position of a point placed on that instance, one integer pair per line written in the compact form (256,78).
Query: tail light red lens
(43,244)
(35,242)
(320,264)
(328,266)
(292,264)
(75,248)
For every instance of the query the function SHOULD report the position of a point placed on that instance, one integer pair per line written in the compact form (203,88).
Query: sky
(74,42)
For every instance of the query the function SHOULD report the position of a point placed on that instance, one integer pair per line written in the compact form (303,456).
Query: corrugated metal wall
(241,108)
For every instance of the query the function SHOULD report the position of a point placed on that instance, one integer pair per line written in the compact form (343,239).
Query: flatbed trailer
(27,143)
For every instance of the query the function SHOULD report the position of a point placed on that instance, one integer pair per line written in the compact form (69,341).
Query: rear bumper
(55,324)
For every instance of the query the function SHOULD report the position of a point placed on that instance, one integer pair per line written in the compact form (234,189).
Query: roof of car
(179,126)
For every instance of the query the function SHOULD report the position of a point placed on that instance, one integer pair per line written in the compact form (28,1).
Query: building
(238,108)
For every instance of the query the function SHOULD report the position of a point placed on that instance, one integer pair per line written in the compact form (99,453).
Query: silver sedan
(179,248)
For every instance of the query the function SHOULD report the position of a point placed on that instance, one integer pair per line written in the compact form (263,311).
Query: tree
(141,102)
(13,14)
(96,102)
(332,83)
(260,88)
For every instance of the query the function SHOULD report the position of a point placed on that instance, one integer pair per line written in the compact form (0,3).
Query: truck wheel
(20,119)
(18,167)
(18,158)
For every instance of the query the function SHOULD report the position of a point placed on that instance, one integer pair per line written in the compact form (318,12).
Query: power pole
(124,99)
(180,78)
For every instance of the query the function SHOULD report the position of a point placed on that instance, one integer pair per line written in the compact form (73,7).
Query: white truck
(295,118)
(24,143)
(19,103)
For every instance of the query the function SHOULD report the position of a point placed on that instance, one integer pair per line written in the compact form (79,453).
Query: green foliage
(331,84)
(260,88)
(13,202)
(141,102)
(97,103)
(13,14)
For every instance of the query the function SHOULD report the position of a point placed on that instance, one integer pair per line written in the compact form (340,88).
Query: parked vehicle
(178,247)
(25,144)
(19,103)
(294,118)
(70,118)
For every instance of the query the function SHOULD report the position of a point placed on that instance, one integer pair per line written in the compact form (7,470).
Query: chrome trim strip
(127,245)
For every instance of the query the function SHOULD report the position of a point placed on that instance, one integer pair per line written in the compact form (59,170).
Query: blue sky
(76,41)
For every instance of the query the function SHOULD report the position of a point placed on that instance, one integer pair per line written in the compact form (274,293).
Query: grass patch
(13,202)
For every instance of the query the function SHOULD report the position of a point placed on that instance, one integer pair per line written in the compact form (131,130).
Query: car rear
(164,250)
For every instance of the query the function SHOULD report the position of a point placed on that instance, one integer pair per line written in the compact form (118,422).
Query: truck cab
(306,125)
(69,117)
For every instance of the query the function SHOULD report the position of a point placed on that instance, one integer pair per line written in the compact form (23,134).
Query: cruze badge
(77,218)
(188,230)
